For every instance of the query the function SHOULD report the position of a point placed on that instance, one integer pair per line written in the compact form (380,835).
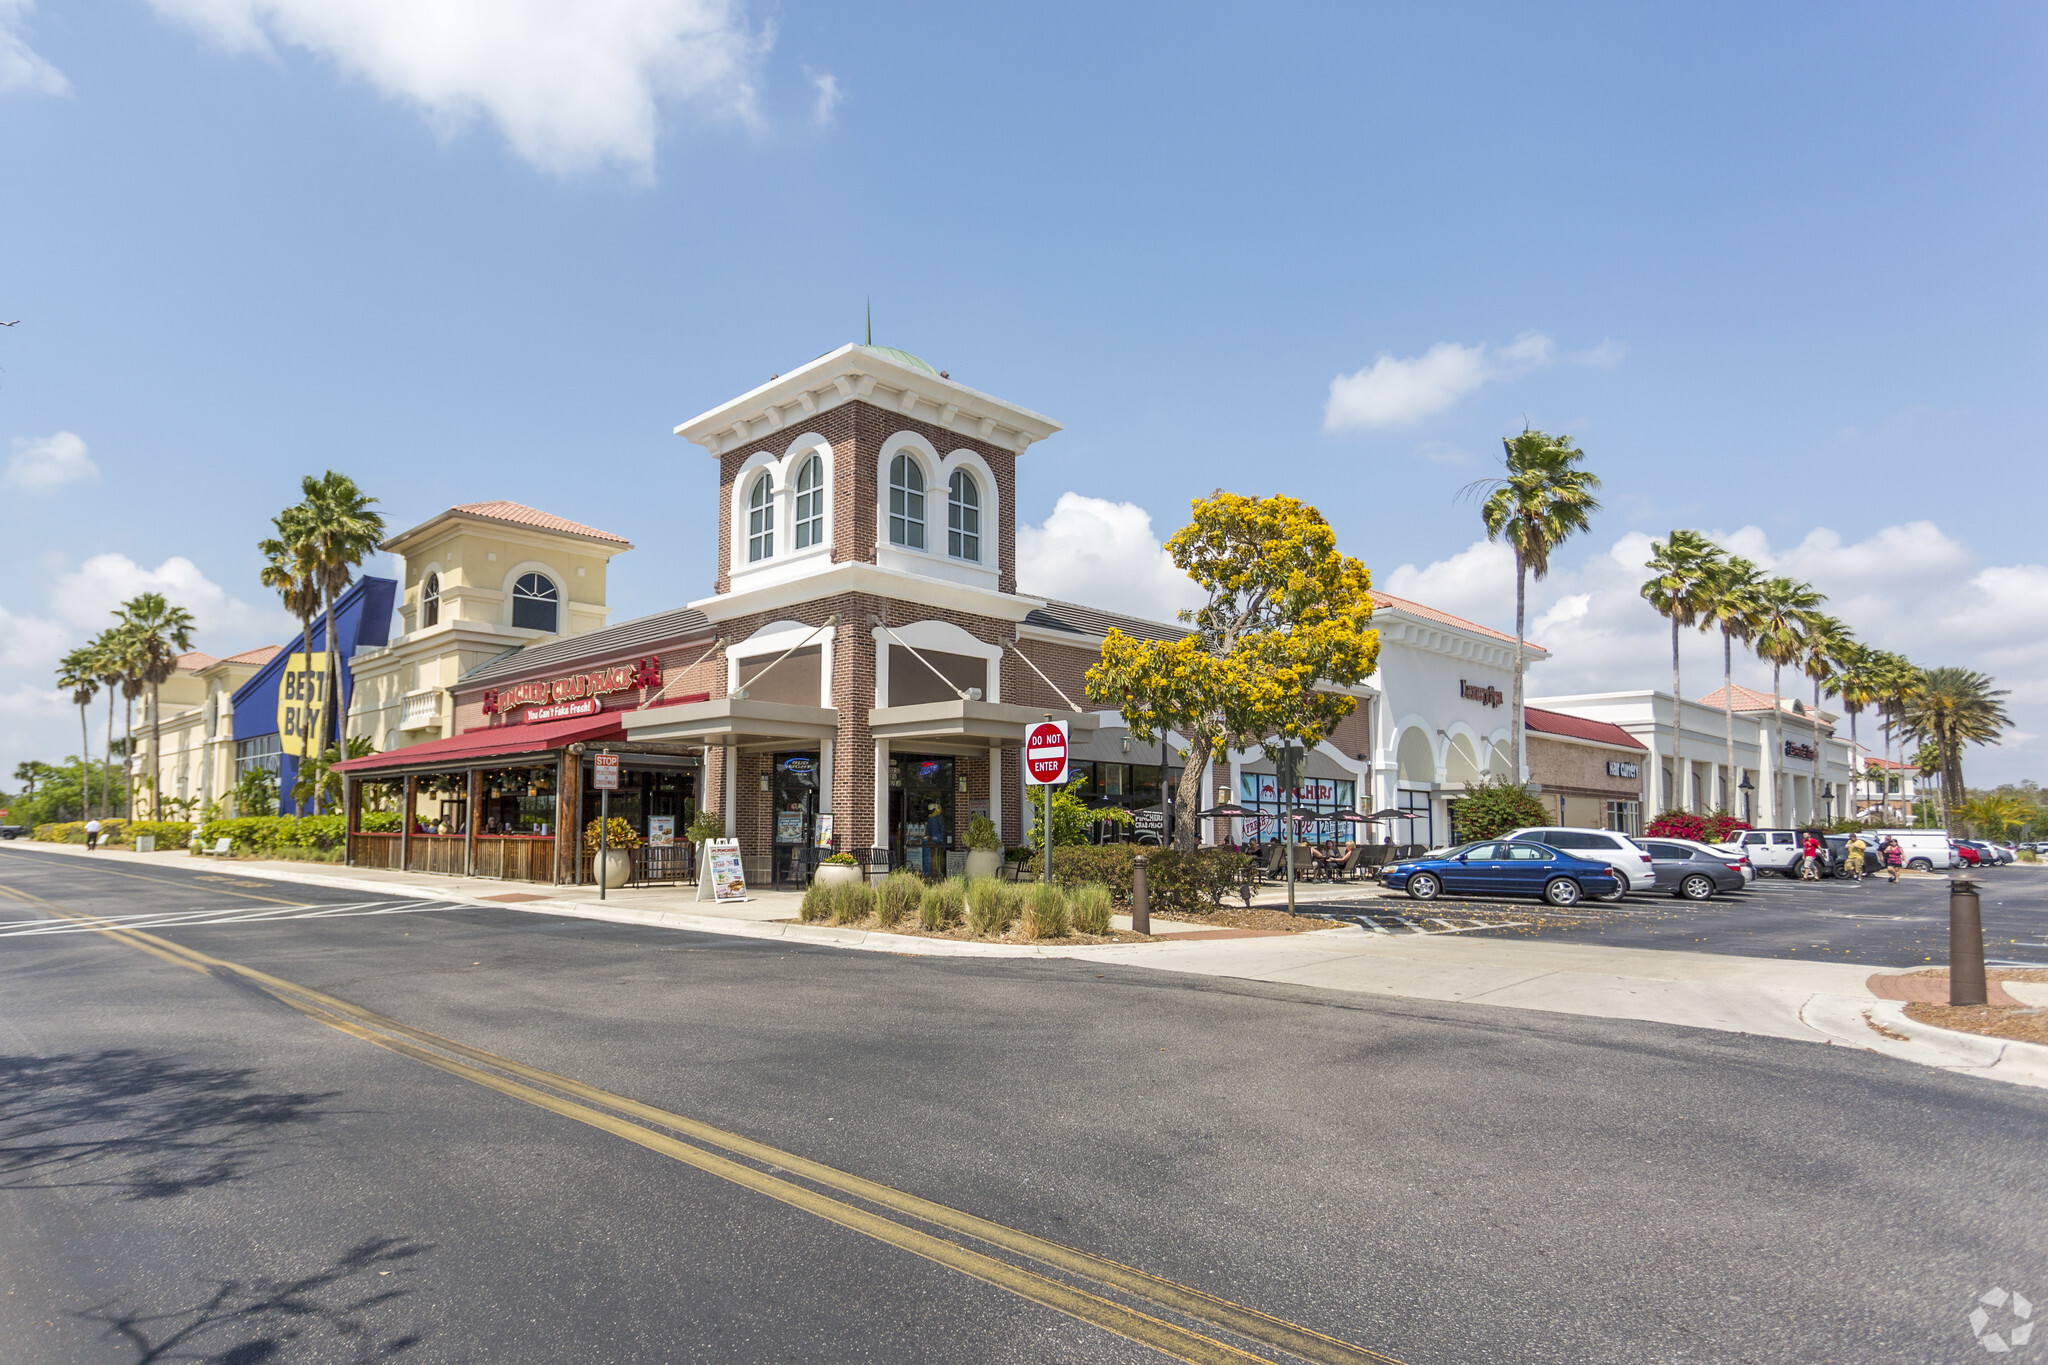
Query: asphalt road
(1872,921)
(193,1168)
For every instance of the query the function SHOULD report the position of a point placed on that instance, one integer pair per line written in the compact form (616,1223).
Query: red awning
(491,742)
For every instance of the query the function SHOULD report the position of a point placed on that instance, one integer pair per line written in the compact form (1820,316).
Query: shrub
(2027,855)
(1045,913)
(840,860)
(817,903)
(1090,907)
(898,896)
(379,822)
(618,834)
(981,834)
(112,831)
(942,905)
(708,824)
(167,833)
(1496,806)
(266,834)
(991,906)
(852,902)
(1174,881)
(1717,828)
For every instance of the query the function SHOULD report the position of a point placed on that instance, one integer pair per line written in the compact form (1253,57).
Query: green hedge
(168,833)
(380,822)
(266,833)
(1190,883)
(112,831)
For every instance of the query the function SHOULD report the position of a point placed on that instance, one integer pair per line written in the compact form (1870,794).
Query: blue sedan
(1508,867)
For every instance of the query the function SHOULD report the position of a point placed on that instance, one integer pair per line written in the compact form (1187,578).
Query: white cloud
(1910,588)
(22,70)
(1391,390)
(1102,554)
(828,96)
(571,87)
(44,463)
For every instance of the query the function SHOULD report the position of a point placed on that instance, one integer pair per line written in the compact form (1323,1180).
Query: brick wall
(1579,772)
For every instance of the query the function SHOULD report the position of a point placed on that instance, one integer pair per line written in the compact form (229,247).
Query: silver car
(1693,871)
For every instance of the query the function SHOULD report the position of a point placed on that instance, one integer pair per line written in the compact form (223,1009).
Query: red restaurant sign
(622,678)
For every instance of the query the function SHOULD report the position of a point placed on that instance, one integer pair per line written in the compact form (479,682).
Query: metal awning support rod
(824,625)
(961,692)
(1015,647)
(716,645)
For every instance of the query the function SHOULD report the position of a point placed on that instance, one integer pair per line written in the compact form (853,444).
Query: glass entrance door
(922,802)
(795,793)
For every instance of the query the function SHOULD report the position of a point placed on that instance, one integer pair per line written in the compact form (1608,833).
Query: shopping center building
(864,662)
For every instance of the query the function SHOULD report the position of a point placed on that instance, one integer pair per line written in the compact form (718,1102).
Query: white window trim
(933,561)
(756,481)
(552,575)
(787,561)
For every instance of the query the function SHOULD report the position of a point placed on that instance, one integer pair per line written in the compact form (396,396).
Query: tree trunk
(1521,718)
(1187,799)
(1730,782)
(1777,744)
(84,763)
(128,756)
(1677,717)
(1817,749)
(306,637)
(329,696)
(107,766)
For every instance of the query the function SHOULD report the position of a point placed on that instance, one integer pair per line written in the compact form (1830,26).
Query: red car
(1968,855)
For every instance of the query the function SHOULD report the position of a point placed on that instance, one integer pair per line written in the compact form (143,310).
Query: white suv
(1629,859)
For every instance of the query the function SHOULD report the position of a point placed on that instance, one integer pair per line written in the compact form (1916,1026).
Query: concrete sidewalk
(1820,1002)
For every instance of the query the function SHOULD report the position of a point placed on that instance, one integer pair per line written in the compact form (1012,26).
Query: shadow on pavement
(314,1316)
(139,1126)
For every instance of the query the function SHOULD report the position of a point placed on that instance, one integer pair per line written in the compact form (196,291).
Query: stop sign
(1045,754)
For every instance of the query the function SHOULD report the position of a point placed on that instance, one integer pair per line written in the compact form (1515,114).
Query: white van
(1926,850)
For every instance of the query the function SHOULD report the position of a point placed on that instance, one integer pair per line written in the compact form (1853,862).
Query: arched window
(906,503)
(536,605)
(810,504)
(761,520)
(963,518)
(430,601)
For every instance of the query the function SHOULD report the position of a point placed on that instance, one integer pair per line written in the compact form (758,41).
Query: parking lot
(1871,922)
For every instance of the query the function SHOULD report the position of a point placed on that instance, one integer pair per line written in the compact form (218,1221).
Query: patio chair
(1274,868)
(1340,869)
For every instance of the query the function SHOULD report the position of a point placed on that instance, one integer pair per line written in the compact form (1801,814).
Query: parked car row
(1565,866)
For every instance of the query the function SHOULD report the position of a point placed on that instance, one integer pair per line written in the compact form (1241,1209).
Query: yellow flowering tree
(1287,618)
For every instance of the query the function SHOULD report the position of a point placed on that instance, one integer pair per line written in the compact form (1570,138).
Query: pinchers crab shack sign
(575,695)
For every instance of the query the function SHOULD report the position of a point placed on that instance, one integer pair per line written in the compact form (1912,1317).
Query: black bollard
(1141,898)
(1965,943)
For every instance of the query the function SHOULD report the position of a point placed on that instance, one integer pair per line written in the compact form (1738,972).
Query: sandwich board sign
(1045,754)
(728,882)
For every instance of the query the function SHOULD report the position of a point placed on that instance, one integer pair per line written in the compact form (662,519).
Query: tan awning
(981,724)
(724,721)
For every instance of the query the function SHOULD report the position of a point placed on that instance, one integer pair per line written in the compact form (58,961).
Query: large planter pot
(831,874)
(614,866)
(983,862)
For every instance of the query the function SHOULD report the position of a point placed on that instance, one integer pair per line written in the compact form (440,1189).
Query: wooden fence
(506,857)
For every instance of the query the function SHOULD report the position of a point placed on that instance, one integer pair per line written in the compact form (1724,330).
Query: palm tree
(1784,610)
(125,653)
(1732,606)
(342,531)
(1543,500)
(1896,680)
(1857,679)
(162,632)
(1681,580)
(110,659)
(291,569)
(78,672)
(1827,642)
(1953,707)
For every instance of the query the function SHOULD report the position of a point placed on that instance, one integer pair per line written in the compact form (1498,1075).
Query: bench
(222,847)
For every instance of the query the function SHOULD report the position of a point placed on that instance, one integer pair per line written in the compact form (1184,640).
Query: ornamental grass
(852,902)
(1090,907)
(898,897)
(817,904)
(943,905)
(1045,913)
(992,906)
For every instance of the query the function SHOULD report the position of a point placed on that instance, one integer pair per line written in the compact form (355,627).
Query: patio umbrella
(1227,812)
(1388,814)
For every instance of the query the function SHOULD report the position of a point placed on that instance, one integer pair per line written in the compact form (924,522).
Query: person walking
(1856,851)
(1809,858)
(92,835)
(1894,855)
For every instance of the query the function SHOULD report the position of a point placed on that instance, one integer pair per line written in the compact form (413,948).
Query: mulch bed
(909,929)
(2003,1018)
(1255,917)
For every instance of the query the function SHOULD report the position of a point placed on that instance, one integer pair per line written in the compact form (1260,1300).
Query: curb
(1883,1026)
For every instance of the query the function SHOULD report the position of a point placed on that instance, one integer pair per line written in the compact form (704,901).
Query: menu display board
(728,881)
(661,831)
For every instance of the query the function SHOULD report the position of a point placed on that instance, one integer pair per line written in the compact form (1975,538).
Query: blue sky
(1779,270)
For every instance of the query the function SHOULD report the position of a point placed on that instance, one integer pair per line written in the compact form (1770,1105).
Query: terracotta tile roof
(1578,727)
(518,514)
(1746,699)
(259,656)
(195,660)
(1444,618)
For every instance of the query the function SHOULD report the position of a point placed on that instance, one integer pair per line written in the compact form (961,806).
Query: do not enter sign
(1045,754)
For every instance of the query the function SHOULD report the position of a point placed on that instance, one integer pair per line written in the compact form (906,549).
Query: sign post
(604,777)
(1045,767)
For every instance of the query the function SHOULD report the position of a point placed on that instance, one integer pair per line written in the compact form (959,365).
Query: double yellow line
(644,1125)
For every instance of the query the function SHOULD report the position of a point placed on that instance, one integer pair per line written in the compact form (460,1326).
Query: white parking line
(190,918)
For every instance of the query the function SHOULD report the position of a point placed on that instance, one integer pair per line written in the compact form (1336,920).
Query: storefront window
(517,801)
(1625,817)
(1316,796)
(1128,786)
(264,751)
(1416,825)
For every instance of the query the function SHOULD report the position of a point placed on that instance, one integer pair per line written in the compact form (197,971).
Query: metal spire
(871,321)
